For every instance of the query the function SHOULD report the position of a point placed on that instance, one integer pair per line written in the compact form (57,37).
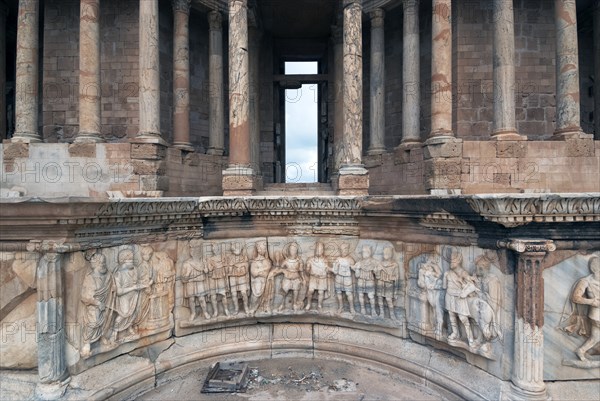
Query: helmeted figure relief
(196,285)
(365,279)
(584,319)
(292,269)
(126,295)
(387,276)
(219,282)
(93,310)
(456,282)
(239,280)
(430,280)
(317,270)
(145,277)
(262,287)
(342,270)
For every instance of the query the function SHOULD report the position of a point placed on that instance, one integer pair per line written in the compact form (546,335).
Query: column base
(443,146)
(215,151)
(376,151)
(352,180)
(149,138)
(519,394)
(240,181)
(185,146)
(508,136)
(25,137)
(51,391)
(569,133)
(88,137)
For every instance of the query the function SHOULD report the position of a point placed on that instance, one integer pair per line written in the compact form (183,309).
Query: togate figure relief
(455,306)
(125,302)
(581,317)
(221,279)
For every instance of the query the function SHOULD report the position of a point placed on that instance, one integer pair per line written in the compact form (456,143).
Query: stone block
(154,183)
(350,184)
(16,150)
(511,149)
(442,173)
(239,185)
(442,148)
(580,147)
(147,167)
(82,150)
(148,151)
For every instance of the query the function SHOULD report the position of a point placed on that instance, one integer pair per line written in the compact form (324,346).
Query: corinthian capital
(215,21)
(181,6)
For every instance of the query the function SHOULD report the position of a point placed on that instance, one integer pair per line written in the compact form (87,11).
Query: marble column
(239,178)
(441,69)
(528,362)
(3,123)
(338,105)
(89,72)
(149,89)
(254,79)
(504,72)
(26,91)
(597,71)
(377,83)
(411,67)
(181,75)
(216,118)
(567,70)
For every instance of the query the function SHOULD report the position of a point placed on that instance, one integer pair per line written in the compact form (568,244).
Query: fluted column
(89,72)
(504,72)
(254,79)
(3,124)
(149,89)
(26,91)
(597,70)
(181,75)
(411,66)
(441,69)
(377,82)
(216,118)
(528,362)
(567,70)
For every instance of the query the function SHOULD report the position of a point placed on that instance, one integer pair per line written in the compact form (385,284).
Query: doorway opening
(301,125)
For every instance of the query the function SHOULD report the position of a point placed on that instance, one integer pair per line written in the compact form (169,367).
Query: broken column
(26,85)
(377,83)
(239,178)
(504,72)
(89,72)
(181,75)
(216,117)
(353,178)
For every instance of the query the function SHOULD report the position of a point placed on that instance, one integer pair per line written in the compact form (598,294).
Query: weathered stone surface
(19,339)
(147,151)
(15,150)
(511,149)
(82,150)
(577,147)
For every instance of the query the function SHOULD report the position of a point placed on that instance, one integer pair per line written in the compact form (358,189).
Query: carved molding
(444,221)
(528,245)
(511,211)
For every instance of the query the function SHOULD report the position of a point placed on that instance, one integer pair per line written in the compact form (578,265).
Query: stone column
(597,70)
(377,83)
(411,67)
(52,364)
(338,105)
(567,71)
(149,90)
(528,364)
(181,75)
(238,178)
(26,85)
(441,69)
(89,72)
(3,124)
(254,79)
(216,118)
(353,177)
(504,72)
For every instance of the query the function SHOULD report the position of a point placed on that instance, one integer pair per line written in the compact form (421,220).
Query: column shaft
(377,82)
(254,67)
(441,69)
(149,90)
(181,75)
(597,71)
(239,101)
(3,123)
(216,118)
(338,106)
(26,92)
(89,72)
(353,85)
(411,66)
(567,70)
(504,71)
